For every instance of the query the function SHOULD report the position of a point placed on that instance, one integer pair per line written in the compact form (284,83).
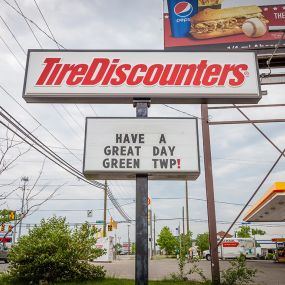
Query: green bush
(53,252)
(270,256)
(238,273)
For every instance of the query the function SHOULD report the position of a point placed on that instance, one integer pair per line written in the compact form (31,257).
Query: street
(269,273)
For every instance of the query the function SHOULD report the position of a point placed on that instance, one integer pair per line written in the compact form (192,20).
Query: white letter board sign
(120,148)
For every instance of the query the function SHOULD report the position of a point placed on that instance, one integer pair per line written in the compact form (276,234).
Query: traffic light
(11,216)
(10,228)
(110,228)
(2,228)
(113,224)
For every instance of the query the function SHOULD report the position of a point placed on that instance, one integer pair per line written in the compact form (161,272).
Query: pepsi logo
(183,9)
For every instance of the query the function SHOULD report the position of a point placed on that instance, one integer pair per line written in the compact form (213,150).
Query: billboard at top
(222,24)
(122,76)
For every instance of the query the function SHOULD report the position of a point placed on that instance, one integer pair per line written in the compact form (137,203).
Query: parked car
(4,252)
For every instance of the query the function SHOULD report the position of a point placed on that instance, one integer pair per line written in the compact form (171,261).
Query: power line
(35,141)
(127,199)
(32,22)
(28,24)
(73,119)
(180,111)
(47,152)
(66,121)
(7,46)
(47,24)
(80,210)
(13,35)
(39,123)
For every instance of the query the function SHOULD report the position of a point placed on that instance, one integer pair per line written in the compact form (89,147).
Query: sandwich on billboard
(120,76)
(222,24)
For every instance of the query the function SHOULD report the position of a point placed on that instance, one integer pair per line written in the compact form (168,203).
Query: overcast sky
(241,157)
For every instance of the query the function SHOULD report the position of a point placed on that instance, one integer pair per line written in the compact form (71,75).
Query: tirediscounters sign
(120,148)
(121,76)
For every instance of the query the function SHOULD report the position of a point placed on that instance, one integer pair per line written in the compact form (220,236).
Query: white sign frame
(99,173)
(248,92)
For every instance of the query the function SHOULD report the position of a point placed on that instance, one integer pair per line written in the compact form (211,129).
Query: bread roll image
(254,28)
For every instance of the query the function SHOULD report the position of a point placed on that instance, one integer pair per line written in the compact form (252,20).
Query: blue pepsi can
(180,12)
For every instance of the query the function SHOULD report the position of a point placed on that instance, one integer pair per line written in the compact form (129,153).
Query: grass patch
(108,281)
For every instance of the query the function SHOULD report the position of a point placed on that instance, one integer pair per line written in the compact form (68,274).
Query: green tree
(202,241)
(133,248)
(186,242)
(244,232)
(167,241)
(259,232)
(118,248)
(53,252)
(247,232)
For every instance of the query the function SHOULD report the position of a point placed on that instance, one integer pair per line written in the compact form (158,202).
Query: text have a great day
(132,153)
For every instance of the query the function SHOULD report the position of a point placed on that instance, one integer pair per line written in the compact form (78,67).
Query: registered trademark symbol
(246,73)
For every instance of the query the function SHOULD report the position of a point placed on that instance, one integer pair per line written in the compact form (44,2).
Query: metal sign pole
(141,212)
(210,196)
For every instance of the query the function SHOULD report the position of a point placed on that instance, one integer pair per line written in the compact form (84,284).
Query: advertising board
(120,148)
(121,76)
(223,24)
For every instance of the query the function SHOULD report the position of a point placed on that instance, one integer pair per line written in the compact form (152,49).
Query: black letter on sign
(162,139)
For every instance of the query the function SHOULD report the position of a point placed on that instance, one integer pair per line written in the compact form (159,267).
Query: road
(269,273)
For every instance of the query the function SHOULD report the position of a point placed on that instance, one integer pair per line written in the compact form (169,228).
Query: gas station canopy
(271,207)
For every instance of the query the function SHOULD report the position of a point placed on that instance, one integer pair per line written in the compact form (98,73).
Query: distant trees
(11,150)
(167,241)
(244,232)
(247,232)
(202,241)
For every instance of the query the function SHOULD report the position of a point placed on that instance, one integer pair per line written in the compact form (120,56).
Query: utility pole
(215,267)
(150,229)
(25,179)
(105,209)
(129,242)
(154,241)
(183,225)
(187,209)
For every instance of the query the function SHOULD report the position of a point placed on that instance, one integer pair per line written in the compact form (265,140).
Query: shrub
(53,252)
(238,273)
(270,256)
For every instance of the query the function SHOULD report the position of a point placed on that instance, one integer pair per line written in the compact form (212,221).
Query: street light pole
(129,242)
(154,240)
(187,209)
(105,209)
(25,179)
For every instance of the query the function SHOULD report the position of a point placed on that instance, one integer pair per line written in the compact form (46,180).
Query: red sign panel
(231,244)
